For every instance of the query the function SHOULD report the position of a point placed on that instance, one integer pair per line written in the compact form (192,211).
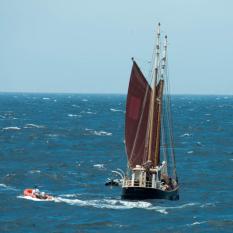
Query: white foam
(102,133)
(116,110)
(11,128)
(196,223)
(190,152)
(186,135)
(34,171)
(46,98)
(73,115)
(34,199)
(75,106)
(98,165)
(120,204)
(6,187)
(208,205)
(52,135)
(105,203)
(69,195)
(34,126)
(98,133)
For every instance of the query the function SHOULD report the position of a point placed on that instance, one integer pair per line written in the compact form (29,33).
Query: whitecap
(98,133)
(33,126)
(190,152)
(186,135)
(34,171)
(116,110)
(75,106)
(196,223)
(46,98)
(6,187)
(102,133)
(12,128)
(52,135)
(73,115)
(84,100)
(98,165)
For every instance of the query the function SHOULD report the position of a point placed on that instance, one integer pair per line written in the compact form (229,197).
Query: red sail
(157,124)
(136,120)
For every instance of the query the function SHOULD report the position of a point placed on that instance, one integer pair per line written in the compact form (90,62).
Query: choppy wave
(11,128)
(33,126)
(84,100)
(98,133)
(196,223)
(186,135)
(73,115)
(34,171)
(88,112)
(190,152)
(7,187)
(98,165)
(116,110)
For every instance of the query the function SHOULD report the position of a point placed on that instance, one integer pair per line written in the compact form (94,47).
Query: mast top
(158,29)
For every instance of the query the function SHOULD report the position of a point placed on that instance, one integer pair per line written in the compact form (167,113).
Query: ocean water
(68,144)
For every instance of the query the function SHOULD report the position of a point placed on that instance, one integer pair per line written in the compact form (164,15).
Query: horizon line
(103,93)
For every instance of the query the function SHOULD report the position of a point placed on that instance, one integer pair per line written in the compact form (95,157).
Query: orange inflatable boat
(38,195)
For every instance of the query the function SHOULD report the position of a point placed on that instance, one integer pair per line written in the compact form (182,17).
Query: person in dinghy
(36,193)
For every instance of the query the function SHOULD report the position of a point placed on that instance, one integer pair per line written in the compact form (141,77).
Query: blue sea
(68,144)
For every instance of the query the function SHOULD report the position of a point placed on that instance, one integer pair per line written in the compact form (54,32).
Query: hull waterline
(142,193)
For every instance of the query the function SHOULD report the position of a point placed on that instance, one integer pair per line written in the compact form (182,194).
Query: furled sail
(137,123)
(136,120)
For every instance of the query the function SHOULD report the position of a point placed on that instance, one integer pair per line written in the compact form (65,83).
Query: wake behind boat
(151,172)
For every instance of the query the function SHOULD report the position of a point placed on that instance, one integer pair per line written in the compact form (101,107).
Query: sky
(86,46)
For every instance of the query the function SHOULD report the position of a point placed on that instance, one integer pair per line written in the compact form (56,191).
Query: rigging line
(171,128)
(163,126)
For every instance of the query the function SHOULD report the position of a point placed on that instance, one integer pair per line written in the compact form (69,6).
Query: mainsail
(137,123)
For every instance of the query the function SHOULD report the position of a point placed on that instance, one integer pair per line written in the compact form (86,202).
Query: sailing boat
(151,172)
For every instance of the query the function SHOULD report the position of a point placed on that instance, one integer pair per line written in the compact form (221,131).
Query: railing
(136,183)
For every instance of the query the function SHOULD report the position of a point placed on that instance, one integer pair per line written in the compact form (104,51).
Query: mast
(153,95)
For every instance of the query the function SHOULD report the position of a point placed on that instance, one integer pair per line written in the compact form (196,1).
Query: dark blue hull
(141,193)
